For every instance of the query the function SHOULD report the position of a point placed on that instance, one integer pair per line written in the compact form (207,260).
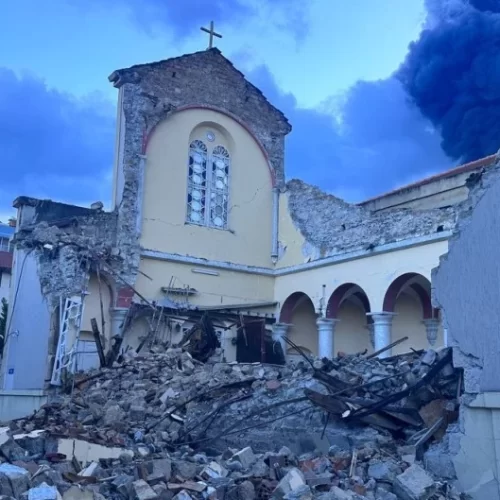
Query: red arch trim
(149,132)
(289,305)
(339,295)
(397,286)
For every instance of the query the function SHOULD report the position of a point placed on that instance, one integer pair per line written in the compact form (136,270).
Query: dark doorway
(254,344)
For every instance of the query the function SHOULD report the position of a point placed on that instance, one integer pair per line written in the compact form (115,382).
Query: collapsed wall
(466,288)
(57,247)
(332,226)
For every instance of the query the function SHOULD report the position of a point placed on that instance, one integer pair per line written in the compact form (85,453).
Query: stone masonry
(332,226)
(204,79)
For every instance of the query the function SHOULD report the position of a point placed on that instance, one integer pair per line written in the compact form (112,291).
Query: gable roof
(467,167)
(126,75)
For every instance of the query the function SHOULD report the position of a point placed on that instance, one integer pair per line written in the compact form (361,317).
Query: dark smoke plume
(452,73)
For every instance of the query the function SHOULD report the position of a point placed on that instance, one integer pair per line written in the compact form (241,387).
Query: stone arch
(409,298)
(349,305)
(415,282)
(345,292)
(299,313)
(156,119)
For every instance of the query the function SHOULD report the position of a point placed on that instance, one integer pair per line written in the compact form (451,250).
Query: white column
(371,333)
(279,331)
(431,329)
(445,328)
(117,316)
(326,329)
(382,326)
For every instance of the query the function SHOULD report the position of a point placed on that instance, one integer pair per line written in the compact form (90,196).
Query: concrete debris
(164,425)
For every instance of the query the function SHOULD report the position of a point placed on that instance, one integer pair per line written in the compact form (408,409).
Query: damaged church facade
(204,226)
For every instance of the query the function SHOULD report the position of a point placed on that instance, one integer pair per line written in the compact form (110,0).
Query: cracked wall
(57,246)
(326,225)
(152,93)
(466,288)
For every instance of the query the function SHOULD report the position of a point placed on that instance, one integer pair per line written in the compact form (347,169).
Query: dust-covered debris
(165,425)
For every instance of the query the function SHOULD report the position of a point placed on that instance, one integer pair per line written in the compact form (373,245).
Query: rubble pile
(165,426)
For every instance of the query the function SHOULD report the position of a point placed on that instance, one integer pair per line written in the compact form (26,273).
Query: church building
(204,223)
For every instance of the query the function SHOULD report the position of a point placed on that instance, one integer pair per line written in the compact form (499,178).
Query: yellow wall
(291,240)
(92,306)
(303,331)
(351,333)
(408,322)
(373,274)
(248,240)
(229,287)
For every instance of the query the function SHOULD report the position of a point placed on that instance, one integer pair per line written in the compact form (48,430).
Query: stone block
(292,481)
(143,491)
(44,492)
(187,470)
(381,471)
(414,484)
(245,456)
(301,493)
(14,480)
(183,495)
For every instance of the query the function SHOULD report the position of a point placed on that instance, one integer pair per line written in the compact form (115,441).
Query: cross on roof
(212,33)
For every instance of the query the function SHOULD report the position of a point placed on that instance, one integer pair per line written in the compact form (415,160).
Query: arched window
(219,187)
(197,183)
(208,188)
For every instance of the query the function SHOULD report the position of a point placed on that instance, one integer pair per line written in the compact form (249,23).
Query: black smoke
(452,74)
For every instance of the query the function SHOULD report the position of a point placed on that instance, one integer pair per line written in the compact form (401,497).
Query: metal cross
(212,33)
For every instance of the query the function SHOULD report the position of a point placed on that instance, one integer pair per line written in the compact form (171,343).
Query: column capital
(431,321)
(431,328)
(321,321)
(382,317)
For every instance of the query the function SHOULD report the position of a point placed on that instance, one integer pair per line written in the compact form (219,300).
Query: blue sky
(326,63)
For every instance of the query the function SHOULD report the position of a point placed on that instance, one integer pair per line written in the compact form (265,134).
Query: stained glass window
(208,188)
(219,187)
(197,183)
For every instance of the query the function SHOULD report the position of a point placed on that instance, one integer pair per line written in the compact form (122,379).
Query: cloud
(52,144)
(182,18)
(360,144)
(452,74)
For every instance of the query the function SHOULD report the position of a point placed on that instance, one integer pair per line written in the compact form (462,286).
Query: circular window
(210,136)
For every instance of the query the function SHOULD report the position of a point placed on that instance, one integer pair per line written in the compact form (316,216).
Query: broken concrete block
(14,480)
(168,394)
(77,493)
(163,466)
(245,456)
(143,491)
(187,470)
(86,452)
(44,492)
(338,494)
(381,471)
(213,471)
(414,484)
(33,442)
(12,451)
(90,470)
(183,495)
(301,493)
(292,481)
